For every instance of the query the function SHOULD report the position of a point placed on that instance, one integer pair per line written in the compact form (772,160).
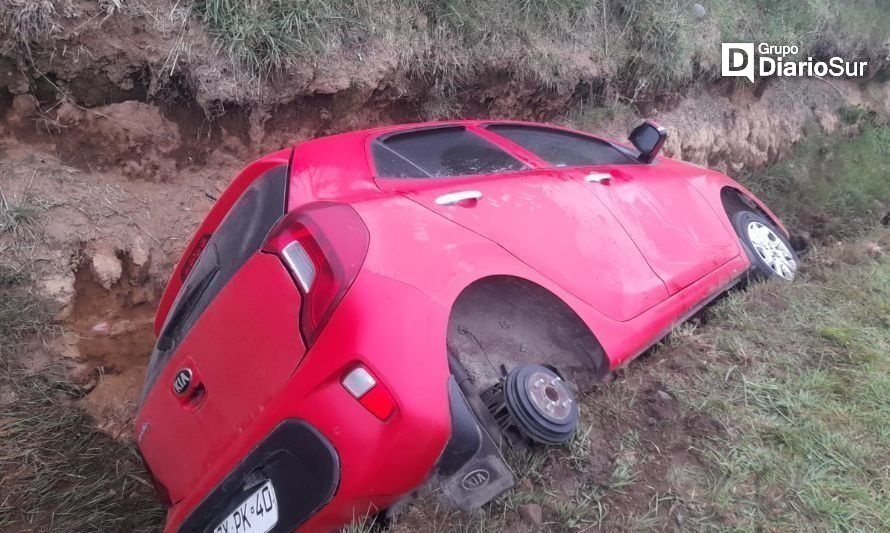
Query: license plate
(258,513)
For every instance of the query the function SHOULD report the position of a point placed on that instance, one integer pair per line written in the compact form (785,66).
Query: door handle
(461,198)
(597,177)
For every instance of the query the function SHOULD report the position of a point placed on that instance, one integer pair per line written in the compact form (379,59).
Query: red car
(367,312)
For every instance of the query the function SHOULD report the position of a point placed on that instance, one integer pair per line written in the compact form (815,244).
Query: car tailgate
(240,353)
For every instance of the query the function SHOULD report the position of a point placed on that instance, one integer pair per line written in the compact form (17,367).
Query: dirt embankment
(120,160)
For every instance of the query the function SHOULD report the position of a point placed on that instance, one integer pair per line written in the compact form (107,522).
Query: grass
(639,48)
(57,471)
(636,49)
(23,22)
(263,36)
(794,381)
(812,415)
(18,217)
(834,185)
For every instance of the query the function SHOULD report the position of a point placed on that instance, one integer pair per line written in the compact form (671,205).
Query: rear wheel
(770,251)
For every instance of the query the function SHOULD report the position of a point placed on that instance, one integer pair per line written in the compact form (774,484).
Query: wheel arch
(735,199)
(502,318)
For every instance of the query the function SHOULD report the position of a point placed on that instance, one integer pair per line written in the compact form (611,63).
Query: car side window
(440,152)
(562,148)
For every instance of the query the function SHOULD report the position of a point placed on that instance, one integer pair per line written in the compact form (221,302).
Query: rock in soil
(532,513)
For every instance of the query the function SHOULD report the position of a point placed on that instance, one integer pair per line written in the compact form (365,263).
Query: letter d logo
(737,59)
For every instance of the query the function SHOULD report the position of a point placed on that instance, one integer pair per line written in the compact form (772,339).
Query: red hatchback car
(367,312)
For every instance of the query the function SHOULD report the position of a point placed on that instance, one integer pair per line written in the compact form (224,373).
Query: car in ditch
(365,313)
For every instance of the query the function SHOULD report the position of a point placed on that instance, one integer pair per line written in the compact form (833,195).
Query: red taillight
(193,256)
(323,246)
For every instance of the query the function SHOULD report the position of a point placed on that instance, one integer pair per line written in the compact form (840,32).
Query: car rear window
(240,235)
(562,148)
(440,152)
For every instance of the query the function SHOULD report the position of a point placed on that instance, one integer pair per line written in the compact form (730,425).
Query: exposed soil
(103,245)
(109,335)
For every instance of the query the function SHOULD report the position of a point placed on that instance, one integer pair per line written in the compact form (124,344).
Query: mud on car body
(367,312)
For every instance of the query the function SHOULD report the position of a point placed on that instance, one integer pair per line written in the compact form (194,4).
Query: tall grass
(833,185)
(264,35)
(645,47)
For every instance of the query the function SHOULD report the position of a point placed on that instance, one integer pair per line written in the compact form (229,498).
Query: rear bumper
(374,462)
(304,469)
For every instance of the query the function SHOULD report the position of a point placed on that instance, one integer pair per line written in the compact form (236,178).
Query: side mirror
(648,138)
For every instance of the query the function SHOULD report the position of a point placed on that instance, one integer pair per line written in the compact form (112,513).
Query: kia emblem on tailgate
(182,381)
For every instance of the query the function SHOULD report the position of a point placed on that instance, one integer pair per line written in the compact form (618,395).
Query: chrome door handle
(597,177)
(460,197)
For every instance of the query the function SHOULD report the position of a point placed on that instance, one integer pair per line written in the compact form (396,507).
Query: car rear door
(677,231)
(543,218)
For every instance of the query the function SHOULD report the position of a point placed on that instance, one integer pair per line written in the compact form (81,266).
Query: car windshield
(440,152)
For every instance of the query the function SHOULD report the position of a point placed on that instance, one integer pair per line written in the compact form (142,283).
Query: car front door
(547,220)
(677,231)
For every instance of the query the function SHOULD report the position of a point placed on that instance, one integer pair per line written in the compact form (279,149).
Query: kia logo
(182,381)
(475,479)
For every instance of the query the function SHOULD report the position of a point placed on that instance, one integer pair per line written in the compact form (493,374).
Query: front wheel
(769,250)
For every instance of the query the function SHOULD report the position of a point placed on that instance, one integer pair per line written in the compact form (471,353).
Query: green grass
(839,185)
(263,36)
(637,47)
(812,415)
(795,381)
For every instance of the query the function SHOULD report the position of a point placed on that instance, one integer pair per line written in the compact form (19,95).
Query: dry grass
(57,471)
(23,22)
(641,47)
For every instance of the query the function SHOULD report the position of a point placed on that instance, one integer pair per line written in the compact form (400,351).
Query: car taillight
(323,246)
(193,256)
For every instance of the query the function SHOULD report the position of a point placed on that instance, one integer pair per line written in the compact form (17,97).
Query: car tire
(770,252)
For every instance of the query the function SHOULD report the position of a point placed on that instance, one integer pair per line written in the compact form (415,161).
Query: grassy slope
(639,45)
(844,183)
(57,472)
(778,418)
(770,412)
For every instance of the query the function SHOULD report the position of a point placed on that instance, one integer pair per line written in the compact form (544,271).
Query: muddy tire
(770,252)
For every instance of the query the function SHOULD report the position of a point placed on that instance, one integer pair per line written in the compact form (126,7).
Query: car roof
(397,128)
(341,163)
